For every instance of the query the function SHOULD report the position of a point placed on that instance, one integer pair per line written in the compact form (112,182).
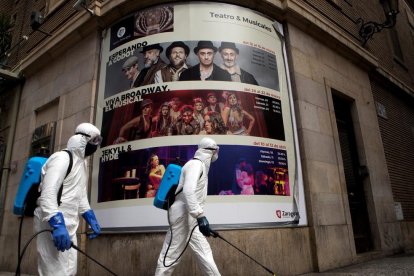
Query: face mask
(92,144)
(90,149)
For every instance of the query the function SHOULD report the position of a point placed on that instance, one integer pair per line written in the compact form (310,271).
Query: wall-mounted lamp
(36,20)
(81,4)
(369,28)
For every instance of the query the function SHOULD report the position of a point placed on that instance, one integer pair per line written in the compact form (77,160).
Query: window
(398,54)
(43,139)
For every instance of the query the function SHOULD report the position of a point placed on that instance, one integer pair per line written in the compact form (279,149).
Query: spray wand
(215,235)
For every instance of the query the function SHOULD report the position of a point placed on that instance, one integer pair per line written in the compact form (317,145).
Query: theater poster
(173,74)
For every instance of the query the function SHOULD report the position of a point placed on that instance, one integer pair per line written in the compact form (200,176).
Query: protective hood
(203,155)
(84,133)
(207,151)
(76,144)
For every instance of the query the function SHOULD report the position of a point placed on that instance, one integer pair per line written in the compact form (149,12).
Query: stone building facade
(354,109)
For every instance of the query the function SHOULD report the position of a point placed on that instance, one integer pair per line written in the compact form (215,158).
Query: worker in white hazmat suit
(55,255)
(187,212)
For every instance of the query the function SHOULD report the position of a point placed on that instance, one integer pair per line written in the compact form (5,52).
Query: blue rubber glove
(60,233)
(204,226)
(90,218)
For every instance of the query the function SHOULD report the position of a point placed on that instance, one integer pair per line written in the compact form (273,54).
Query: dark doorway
(354,175)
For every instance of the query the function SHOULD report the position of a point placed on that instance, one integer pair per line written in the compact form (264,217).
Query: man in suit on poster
(131,70)
(152,64)
(229,53)
(206,69)
(177,53)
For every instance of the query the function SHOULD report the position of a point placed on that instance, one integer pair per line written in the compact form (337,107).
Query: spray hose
(72,245)
(171,238)
(213,233)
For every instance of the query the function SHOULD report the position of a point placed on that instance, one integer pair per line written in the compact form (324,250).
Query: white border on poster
(234,210)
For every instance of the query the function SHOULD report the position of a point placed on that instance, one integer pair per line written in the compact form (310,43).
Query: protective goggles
(217,149)
(96,140)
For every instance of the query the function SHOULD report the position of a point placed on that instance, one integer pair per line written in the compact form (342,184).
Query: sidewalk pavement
(396,265)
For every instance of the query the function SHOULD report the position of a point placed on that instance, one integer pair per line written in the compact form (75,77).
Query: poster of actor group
(173,74)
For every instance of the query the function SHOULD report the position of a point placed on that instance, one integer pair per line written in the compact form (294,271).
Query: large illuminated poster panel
(172,74)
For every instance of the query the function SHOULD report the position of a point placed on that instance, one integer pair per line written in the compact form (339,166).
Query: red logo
(278,213)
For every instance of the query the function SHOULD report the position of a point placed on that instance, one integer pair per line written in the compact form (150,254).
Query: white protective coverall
(74,201)
(183,214)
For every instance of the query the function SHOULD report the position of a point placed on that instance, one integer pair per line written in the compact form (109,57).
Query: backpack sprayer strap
(198,178)
(59,196)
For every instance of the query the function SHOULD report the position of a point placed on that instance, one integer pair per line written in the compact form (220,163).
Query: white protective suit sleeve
(84,202)
(53,174)
(191,173)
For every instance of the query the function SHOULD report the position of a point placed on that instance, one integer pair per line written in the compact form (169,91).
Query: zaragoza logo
(284,214)
(279,213)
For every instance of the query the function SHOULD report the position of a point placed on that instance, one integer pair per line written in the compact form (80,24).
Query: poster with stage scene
(191,112)
(173,74)
(251,171)
(134,65)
